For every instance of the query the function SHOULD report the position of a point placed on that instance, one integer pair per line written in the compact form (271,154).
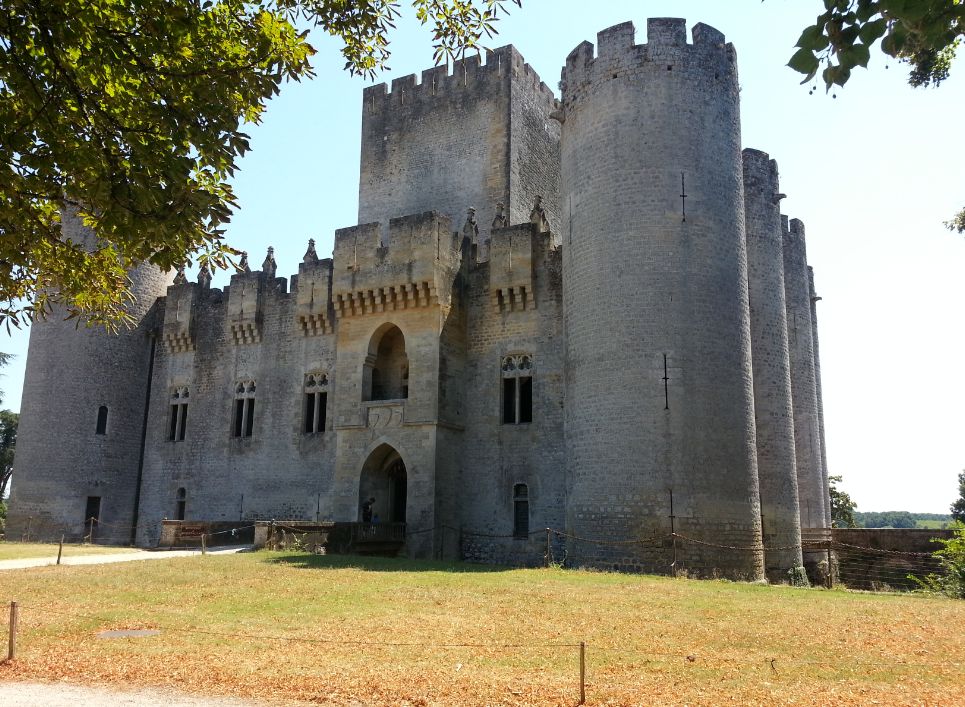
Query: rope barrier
(623,649)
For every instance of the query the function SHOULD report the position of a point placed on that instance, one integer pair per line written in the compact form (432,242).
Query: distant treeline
(900,519)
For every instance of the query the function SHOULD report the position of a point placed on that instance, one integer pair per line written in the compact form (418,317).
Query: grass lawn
(467,634)
(21,551)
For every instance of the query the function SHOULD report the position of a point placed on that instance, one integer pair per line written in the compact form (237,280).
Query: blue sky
(872,173)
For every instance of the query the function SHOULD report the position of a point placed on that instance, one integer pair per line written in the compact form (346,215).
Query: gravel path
(119,557)
(59,694)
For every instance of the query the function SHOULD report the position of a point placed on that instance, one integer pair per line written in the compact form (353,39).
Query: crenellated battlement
(616,54)
(415,268)
(469,74)
(761,173)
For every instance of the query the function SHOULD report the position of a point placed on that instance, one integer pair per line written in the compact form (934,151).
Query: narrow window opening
(239,416)
(173,426)
(316,398)
(244,410)
(102,420)
(182,502)
(517,392)
(249,416)
(525,399)
(521,510)
(509,401)
(309,413)
(183,423)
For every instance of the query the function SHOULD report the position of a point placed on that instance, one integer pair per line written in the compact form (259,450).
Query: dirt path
(59,694)
(119,557)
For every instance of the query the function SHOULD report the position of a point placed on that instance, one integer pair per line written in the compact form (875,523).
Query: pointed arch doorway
(383,487)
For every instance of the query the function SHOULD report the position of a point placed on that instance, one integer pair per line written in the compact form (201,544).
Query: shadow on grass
(375,564)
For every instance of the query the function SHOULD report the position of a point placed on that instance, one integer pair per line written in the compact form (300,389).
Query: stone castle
(586,314)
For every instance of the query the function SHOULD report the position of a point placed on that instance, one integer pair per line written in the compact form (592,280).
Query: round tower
(776,469)
(659,399)
(82,418)
(814,501)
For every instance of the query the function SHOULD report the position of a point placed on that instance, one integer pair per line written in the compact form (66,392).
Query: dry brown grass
(649,640)
(21,551)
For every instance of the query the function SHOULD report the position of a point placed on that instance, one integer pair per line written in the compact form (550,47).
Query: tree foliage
(924,34)
(952,556)
(133,114)
(921,33)
(842,507)
(958,507)
(8,442)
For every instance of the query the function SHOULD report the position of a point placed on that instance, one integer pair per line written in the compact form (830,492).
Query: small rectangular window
(309,413)
(178,422)
(239,417)
(322,402)
(525,399)
(521,511)
(249,416)
(173,426)
(509,401)
(102,420)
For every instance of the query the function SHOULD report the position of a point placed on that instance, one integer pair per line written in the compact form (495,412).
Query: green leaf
(804,61)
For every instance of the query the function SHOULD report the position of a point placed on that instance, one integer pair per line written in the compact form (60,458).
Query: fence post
(14,620)
(547,547)
(830,569)
(90,535)
(582,672)
(60,549)
(27,534)
(204,546)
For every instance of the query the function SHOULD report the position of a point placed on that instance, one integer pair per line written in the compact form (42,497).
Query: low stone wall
(187,533)
(892,539)
(883,558)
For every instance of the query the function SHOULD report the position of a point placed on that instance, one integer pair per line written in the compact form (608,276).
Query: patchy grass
(334,630)
(22,551)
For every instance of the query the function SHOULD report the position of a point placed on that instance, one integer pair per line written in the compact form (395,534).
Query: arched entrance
(383,487)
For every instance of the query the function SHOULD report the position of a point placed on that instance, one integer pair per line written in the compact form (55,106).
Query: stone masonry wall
(471,138)
(71,372)
(773,414)
(658,371)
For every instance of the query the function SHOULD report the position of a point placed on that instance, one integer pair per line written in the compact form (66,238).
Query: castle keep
(585,314)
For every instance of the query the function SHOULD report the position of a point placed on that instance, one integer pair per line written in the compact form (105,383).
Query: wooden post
(60,550)
(90,535)
(582,672)
(547,547)
(14,619)
(830,568)
(204,546)
(27,534)
(673,537)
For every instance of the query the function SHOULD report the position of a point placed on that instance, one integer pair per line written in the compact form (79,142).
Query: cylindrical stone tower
(820,394)
(659,400)
(815,508)
(776,472)
(81,424)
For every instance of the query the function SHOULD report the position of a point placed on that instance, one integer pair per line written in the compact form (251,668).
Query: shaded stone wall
(773,415)
(643,284)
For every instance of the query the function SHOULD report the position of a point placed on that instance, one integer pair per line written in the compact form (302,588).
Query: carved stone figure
(204,275)
(243,265)
(471,229)
(180,278)
(270,267)
(310,255)
(500,220)
(538,216)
